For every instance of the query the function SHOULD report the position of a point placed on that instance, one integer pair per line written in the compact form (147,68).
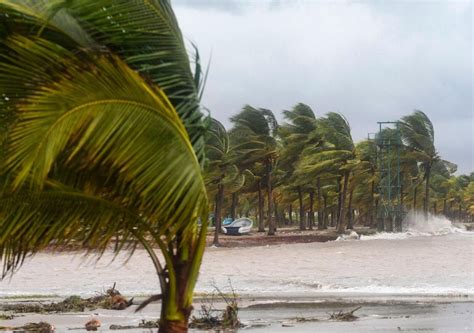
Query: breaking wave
(415,225)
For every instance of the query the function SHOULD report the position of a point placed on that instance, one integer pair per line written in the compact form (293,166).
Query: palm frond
(62,217)
(112,118)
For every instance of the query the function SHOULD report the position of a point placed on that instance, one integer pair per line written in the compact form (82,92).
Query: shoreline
(293,314)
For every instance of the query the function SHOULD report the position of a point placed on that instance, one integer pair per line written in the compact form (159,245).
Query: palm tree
(367,177)
(336,154)
(297,134)
(221,170)
(418,135)
(255,131)
(107,143)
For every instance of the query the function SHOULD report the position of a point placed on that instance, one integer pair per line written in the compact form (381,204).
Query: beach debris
(93,325)
(349,235)
(41,327)
(4,316)
(344,316)
(114,327)
(211,318)
(110,299)
(305,320)
(149,324)
(142,324)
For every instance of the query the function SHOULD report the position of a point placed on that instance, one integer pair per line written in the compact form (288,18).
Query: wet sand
(299,315)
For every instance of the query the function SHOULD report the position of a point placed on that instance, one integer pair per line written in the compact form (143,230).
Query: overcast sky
(371,61)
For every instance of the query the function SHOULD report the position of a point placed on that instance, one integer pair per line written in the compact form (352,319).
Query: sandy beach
(300,315)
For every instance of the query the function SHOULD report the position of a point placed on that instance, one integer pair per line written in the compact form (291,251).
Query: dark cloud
(370,61)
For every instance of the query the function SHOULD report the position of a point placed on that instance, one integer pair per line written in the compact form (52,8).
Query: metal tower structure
(389,209)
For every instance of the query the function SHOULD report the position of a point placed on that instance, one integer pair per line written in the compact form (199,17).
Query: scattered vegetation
(4,316)
(211,318)
(142,324)
(110,299)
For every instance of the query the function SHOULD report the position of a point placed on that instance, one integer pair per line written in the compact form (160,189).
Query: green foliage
(104,136)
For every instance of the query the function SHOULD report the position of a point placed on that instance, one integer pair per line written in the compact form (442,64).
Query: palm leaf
(113,120)
(62,217)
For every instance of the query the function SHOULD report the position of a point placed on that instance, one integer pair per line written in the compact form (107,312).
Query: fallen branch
(344,316)
(151,299)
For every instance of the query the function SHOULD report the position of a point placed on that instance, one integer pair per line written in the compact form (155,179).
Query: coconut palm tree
(336,154)
(297,133)
(418,135)
(221,170)
(255,131)
(107,139)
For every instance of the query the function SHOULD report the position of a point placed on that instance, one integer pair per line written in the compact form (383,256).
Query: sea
(432,257)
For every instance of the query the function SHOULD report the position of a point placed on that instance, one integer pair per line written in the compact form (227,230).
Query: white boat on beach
(240,226)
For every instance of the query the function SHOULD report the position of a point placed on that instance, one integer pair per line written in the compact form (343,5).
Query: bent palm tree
(297,134)
(336,154)
(255,129)
(106,143)
(221,170)
(418,135)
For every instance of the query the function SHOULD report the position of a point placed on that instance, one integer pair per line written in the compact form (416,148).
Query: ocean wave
(415,225)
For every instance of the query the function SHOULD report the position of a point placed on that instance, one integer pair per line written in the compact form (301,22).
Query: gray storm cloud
(371,61)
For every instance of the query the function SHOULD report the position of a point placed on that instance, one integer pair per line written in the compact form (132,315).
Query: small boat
(238,227)
(227,221)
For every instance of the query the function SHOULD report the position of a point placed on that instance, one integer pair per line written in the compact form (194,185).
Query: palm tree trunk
(182,270)
(271,224)
(171,305)
(427,192)
(290,214)
(401,195)
(311,210)
(233,207)
(378,217)
(277,214)
(325,212)
(339,201)
(320,210)
(341,227)
(350,212)
(219,202)
(300,198)
(414,198)
(372,204)
(261,227)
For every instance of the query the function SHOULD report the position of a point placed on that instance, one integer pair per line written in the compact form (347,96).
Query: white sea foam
(416,265)
(416,225)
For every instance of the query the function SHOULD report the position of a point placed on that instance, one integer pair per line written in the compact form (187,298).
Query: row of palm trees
(264,169)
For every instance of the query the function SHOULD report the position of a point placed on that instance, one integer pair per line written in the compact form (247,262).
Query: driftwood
(344,316)
(41,327)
